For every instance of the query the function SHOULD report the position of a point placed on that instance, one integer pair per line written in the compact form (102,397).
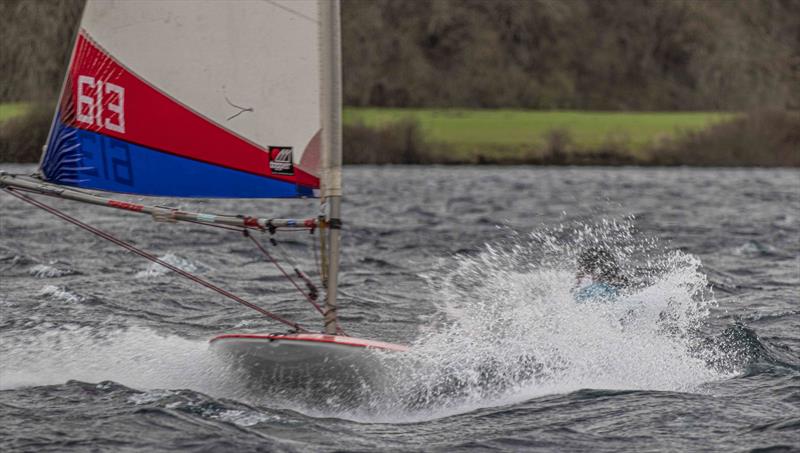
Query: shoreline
(538,138)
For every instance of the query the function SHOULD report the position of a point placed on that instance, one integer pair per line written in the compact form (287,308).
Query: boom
(159,213)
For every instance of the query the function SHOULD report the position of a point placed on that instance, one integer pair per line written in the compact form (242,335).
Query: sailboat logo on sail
(280,160)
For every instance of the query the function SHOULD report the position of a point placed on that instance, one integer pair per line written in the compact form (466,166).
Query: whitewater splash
(508,329)
(136,357)
(155,270)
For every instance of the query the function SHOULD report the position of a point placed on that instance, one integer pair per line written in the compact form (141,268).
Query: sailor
(599,277)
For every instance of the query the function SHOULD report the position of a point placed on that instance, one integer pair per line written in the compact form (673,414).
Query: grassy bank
(512,135)
(423,136)
(12,110)
(23,131)
(474,129)
(757,138)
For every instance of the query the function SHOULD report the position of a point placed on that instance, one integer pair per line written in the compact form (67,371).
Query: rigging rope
(153,258)
(311,296)
(312,288)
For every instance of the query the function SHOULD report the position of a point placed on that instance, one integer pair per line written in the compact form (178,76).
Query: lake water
(474,267)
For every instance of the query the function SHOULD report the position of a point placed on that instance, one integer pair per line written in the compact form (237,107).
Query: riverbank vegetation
(507,137)
(768,138)
(490,135)
(509,81)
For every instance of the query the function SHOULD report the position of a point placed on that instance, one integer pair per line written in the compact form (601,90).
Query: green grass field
(508,131)
(463,134)
(13,109)
(470,129)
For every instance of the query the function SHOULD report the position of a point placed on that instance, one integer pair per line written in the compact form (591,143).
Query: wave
(155,270)
(507,329)
(510,328)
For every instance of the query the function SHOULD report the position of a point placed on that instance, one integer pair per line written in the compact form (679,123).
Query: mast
(150,109)
(331,184)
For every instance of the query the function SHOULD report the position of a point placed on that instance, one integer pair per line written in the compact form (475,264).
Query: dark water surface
(472,266)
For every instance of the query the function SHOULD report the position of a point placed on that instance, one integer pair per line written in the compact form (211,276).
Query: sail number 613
(101,104)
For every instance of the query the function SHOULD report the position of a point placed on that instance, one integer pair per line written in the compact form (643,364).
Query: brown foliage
(540,54)
(35,42)
(764,138)
(573,54)
(395,143)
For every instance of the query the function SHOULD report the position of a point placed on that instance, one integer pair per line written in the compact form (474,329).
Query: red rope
(283,271)
(153,258)
(277,264)
(288,277)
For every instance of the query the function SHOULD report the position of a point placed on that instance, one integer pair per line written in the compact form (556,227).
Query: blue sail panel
(86,159)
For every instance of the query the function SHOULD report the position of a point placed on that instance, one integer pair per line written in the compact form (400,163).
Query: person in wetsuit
(599,276)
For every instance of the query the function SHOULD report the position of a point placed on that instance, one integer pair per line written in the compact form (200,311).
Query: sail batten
(191,99)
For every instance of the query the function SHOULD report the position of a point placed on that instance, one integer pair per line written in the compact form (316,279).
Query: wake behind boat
(213,100)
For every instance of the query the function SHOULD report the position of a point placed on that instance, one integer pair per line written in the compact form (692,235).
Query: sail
(192,99)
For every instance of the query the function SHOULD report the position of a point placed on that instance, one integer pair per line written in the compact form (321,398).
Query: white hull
(301,359)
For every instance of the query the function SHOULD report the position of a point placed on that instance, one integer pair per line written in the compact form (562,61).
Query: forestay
(191,99)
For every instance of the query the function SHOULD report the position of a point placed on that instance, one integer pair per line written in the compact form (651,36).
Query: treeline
(656,55)
(35,43)
(573,54)
(538,54)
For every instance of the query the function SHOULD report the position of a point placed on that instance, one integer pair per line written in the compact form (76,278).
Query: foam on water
(135,357)
(48,271)
(508,329)
(511,329)
(155,270)
(59,294)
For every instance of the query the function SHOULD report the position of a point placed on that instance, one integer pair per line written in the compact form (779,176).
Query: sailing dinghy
(211,99)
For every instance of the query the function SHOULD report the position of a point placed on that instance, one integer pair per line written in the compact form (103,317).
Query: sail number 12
(101,104)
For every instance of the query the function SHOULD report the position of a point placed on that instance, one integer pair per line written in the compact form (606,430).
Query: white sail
(212,99)
(206,99)
(231,84)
